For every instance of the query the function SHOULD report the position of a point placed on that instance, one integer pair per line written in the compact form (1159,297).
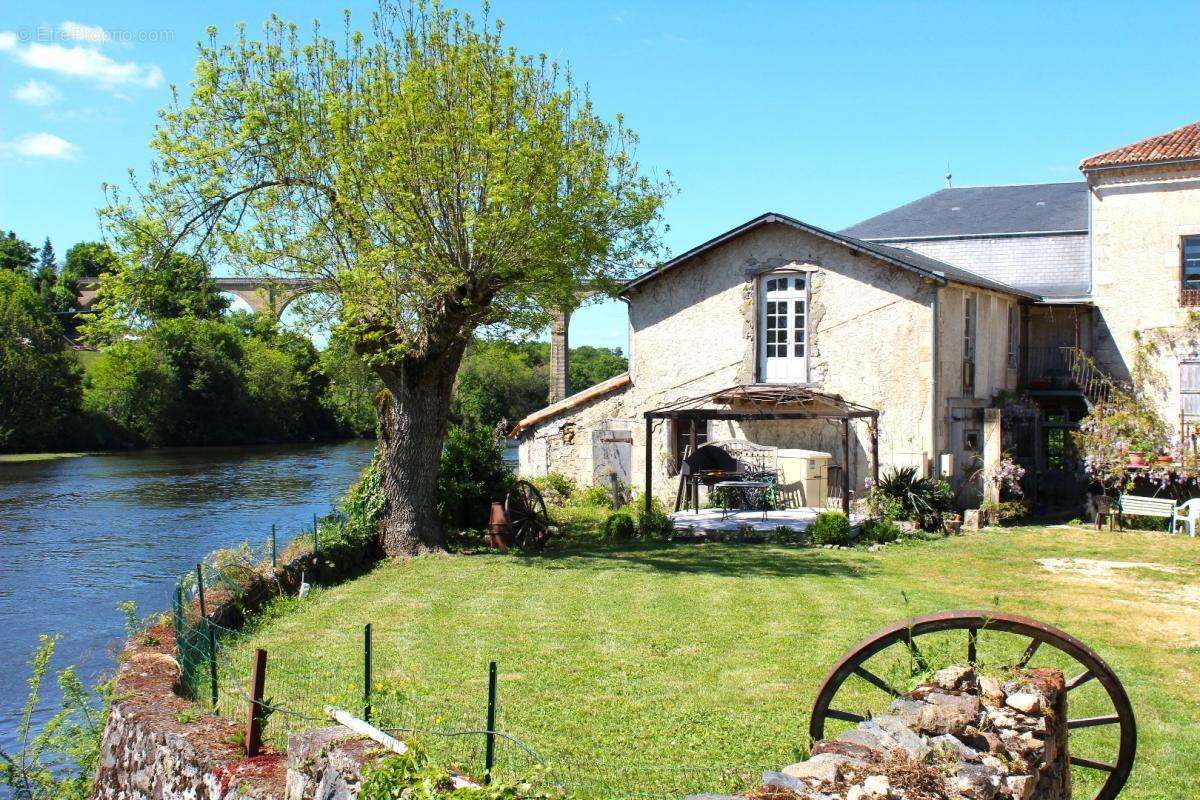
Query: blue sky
(830,112)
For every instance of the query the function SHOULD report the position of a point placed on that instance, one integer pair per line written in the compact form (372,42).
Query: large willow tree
(428,178)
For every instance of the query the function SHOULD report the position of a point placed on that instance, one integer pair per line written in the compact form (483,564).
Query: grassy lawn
(642,670)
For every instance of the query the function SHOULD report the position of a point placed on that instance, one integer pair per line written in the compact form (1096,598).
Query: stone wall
(586,442)
(959,737)
(1139,217)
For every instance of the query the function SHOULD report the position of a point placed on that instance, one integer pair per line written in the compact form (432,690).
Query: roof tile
(1181,143)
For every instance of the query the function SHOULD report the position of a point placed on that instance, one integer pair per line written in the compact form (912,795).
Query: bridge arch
(261,295)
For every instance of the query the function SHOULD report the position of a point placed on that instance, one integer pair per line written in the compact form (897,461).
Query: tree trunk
(412,425)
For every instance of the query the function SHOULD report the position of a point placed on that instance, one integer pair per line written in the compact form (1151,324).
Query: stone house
(928,314)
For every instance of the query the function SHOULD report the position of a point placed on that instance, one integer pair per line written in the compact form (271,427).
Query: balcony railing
(1066,368)
(1189,297)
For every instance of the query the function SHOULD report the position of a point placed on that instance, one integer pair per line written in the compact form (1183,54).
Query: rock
(951,745)
(975,782)
(994,763)
(843,748)
(903,735)
(906,711)
(1020,786)
(990,691)
(824,767)
(780,781)
(952,678)
(857,792)
(877,786)
(875,548)
(1025,702)
(874,739)
(948,713)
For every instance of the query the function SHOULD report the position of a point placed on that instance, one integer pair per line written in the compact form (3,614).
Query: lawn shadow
(726,560)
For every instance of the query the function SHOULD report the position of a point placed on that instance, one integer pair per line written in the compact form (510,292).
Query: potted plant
(952,524)
(1137,458)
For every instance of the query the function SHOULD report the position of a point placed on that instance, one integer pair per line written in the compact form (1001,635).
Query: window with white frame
(1014,335)
(783,327)
(970,319)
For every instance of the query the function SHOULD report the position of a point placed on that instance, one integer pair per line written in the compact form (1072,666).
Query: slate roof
(897,256)
(1181,144)
(983,211)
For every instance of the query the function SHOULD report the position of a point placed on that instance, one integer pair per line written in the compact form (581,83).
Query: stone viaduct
(260,294)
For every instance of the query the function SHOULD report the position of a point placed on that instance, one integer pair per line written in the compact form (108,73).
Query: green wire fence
(472,731)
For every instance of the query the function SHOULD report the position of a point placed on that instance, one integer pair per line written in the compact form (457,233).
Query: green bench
(1135,506)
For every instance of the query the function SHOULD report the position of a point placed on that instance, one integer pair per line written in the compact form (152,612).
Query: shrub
(654,523)
(882,505)
(472,475)
(555,487)
(1005,510)
(830,527)
(595,495)
(919,498)
(880,531)
(619,526)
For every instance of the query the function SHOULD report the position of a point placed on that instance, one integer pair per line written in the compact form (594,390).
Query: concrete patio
(709,519)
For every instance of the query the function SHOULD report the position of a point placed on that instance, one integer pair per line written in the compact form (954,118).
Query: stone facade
(1139,218)
(870,340)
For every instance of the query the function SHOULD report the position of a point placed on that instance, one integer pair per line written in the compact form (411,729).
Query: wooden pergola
(767,402)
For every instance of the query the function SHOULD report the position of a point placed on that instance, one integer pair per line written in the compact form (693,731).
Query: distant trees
(40,382)
(16,254)
(502,380)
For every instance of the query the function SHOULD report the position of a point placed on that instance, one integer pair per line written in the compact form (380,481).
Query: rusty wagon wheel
(974,624)
(528,522)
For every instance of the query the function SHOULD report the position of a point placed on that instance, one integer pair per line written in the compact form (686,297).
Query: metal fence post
(212,665)
(254,721)
(367,673)
(316,537)
(274,563)
(489,757)
(200,589)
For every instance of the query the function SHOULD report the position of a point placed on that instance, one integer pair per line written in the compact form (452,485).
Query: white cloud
(36,93)
(39,145)
(82,61)
(78,32)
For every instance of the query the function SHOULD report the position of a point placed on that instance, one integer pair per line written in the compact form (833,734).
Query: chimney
(559,321)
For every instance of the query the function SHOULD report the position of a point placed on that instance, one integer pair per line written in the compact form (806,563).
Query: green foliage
(41,382)
(501,381)
(57,760)
(471,477)
(351,389)
(17,255)
(880,530)
(618,527)
(143,291)
(923,499)
(595,495)
(588,366)
(136,627)
(415,776)
(505,381)
(1005,510)
(830,527)
(882,505)
(654,523)
(190,381)
(556,488)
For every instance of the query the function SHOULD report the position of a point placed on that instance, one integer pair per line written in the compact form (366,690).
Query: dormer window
(1189,287)
(783,327)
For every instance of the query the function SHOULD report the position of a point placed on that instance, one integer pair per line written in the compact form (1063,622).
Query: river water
(78,535)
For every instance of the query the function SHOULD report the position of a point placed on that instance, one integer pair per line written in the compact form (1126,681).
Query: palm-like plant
(923,499)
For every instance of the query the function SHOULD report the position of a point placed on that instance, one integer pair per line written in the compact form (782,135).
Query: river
(79,534)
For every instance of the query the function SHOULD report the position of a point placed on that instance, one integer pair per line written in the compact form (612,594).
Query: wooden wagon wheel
(528,522)
(974,624)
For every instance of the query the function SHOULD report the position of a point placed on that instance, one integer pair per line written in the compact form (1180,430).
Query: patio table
(743,489)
